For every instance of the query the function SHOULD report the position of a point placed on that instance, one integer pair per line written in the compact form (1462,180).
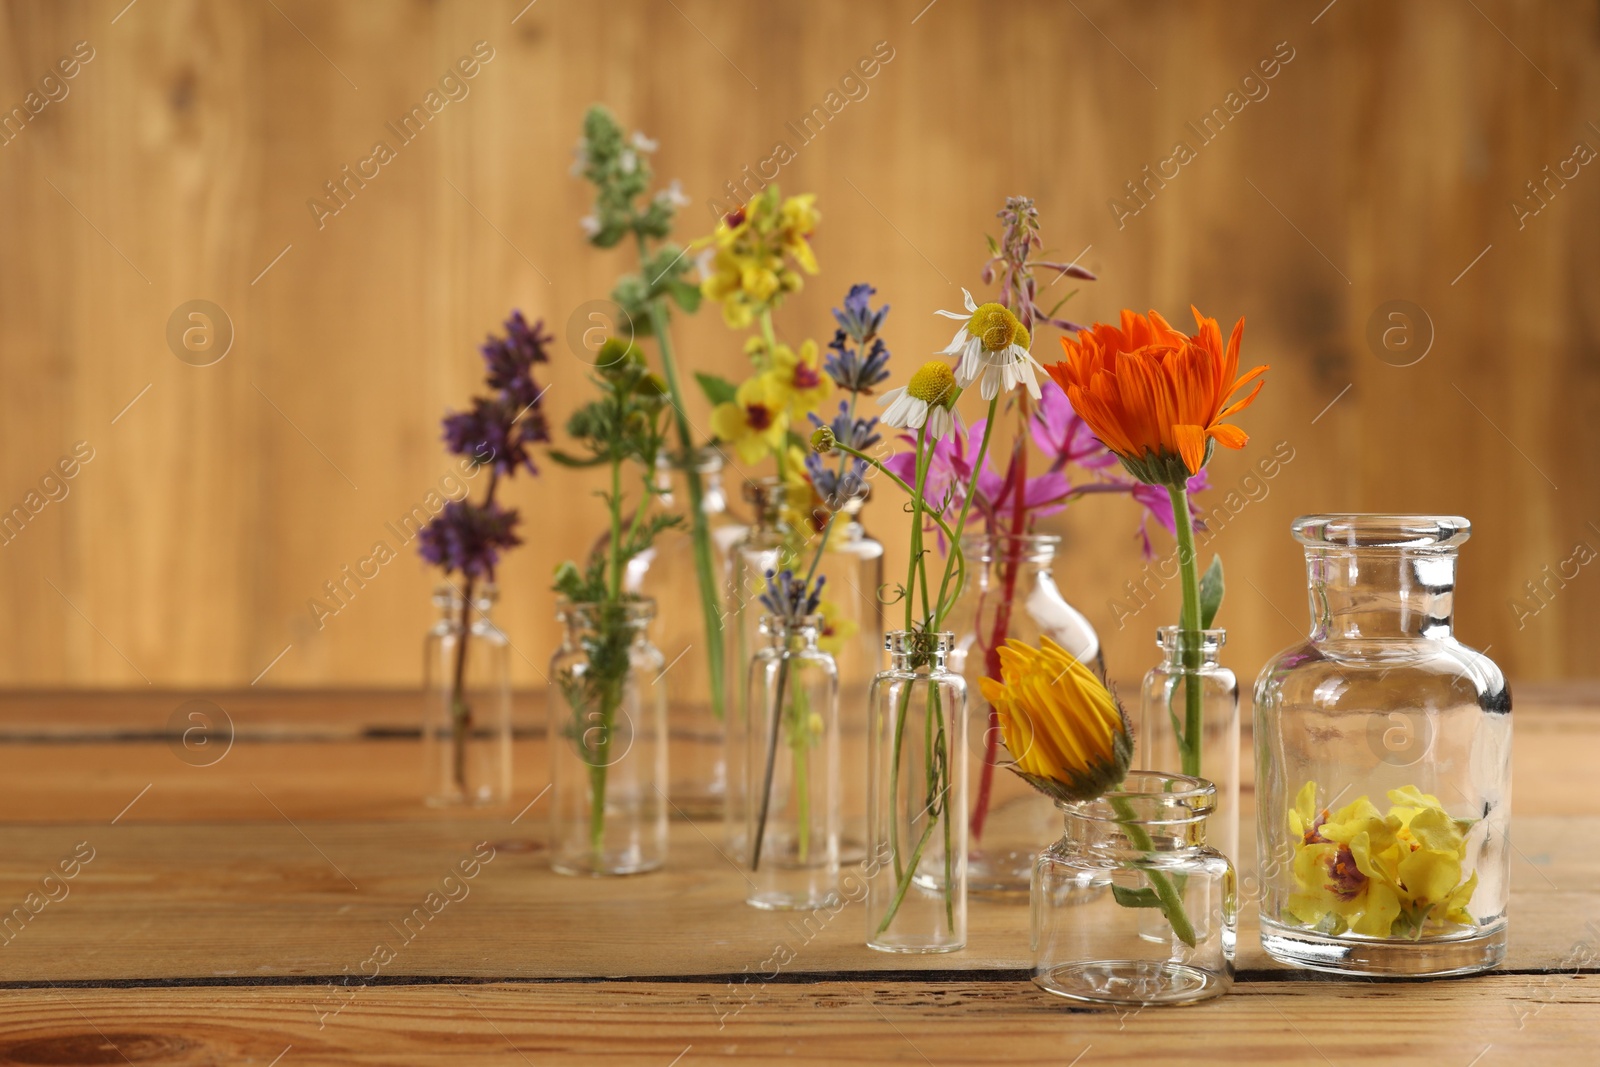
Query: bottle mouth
(782,626)
(637,611)
(448,594)
(1034,548)
(1418,532)
(763,492)
(705,460)
(1171,638)
(917,642)
(1156,798)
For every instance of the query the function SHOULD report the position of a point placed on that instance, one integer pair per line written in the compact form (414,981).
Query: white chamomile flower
(993,349)
(926,399)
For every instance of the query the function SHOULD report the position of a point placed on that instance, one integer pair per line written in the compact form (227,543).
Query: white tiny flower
(628,161)
(989,351)
(673,195)
(590,224)
(643,143)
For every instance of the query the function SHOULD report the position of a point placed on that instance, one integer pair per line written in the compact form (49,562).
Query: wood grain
(1381,164)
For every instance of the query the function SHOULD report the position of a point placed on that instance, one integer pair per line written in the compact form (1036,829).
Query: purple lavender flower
(857,319)
(857,367)
(492,434)
(510,360)
(859,434)
(834,488)
(468,537)
(791,600)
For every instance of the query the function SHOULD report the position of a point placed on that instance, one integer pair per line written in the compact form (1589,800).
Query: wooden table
(230,914)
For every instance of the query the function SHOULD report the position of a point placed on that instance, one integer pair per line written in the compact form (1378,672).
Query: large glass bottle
(667,573)
(916,866)
(1383,763)
(1010,593)
(1131,906)
(1165,701)
(607,737)
(466,730)
(793,818)
(768,544)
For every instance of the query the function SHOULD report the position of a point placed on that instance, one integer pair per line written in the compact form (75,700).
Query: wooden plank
(860,1021)
(274,898)
(1392,144)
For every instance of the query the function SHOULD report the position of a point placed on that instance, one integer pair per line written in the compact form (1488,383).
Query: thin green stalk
(772,755)
(1171,899)
(922,465)
(700,530)
(1189,635)
(966,506)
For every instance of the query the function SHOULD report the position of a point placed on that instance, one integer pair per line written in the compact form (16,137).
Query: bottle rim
(1159,798)
(988,547)
(640,610)
(1382,531)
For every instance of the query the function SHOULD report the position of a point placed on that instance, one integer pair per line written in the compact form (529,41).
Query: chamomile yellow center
(997,328)
(932,383)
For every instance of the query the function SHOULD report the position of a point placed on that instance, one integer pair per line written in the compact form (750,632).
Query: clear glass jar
(1131,861)
(794,754)
(668,572)
(917,799)
(1208,690)
(1383,763)
(466,686)
(607,737)
(1010,593)
(853,633)
(768,544)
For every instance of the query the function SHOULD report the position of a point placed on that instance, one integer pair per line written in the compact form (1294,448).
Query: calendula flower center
(997,328)
(933,383)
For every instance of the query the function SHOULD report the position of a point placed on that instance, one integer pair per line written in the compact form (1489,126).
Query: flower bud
(822,440)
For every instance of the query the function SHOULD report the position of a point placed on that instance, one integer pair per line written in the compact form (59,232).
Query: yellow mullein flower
(799,375)
(1379,875)
(755,423)
(837,629)
(803,509)
(745,266)
(1067,734)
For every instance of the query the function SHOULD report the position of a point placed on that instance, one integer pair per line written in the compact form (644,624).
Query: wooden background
(1381,166)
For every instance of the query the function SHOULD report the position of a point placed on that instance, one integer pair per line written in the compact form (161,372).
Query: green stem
(1189,635)
(916,525)
(700,529)
(1166,892)
(772,755)
(966,506)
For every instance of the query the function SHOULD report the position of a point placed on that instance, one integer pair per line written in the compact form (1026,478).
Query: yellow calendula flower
(755,423)
(837,629)
(1380,875)
(800,377)
(1067,734)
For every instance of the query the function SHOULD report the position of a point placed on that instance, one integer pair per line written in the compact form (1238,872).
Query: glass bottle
(1146,844)
(1010,593)
(466,734)
(607,736)
(853,633)
(793,817)
(916,868)
(1383,763)
(768,544)
(1166,703)
(667,572)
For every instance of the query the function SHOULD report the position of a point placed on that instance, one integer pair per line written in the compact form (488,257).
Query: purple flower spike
(468,537)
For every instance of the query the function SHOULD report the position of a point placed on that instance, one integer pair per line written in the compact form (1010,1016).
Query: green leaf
(565,460)
(685,295)
(1135,898)
(718,390)
(1210,593)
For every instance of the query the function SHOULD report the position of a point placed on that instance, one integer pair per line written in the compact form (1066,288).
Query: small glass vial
(607,736)
(1194,685)
(669,572)
(1011,592)
(793,754)
(1133,861)
(466,730)
(768,544)
(1383,763)
(916,862)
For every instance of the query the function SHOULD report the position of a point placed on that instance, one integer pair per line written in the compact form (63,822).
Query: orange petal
(1228,436)
(1192,445)
(1247,401)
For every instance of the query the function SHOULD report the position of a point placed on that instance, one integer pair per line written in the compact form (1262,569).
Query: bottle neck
(1174,642)
(911,650)
(586,622)
(1374,594)
(672,481)
(1029,556)
(448,601)
(792,636)
(1152,811)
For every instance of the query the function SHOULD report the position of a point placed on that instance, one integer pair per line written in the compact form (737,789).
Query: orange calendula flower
(1065,731)
(1156,397)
